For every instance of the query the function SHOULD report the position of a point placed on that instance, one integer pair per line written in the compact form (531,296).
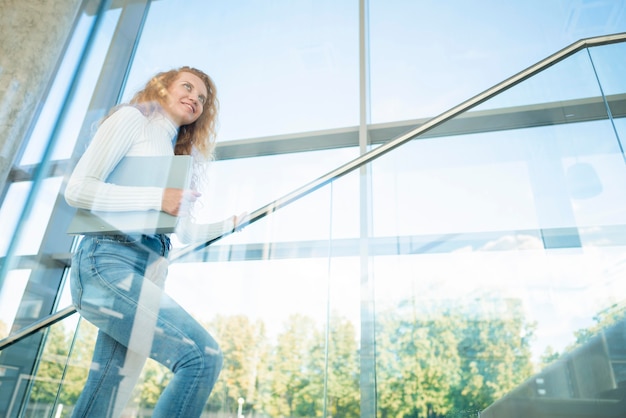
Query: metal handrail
(359,161)
(430,124)
(37,326)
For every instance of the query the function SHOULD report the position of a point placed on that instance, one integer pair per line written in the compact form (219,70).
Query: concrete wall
(32,36)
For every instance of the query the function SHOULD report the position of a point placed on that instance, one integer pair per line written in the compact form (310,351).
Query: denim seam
(91,403)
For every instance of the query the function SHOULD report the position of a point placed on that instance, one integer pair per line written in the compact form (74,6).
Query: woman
(117,280)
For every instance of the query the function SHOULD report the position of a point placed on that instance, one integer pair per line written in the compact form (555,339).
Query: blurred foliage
(433,360)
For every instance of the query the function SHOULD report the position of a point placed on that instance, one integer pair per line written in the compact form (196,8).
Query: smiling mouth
(190,107)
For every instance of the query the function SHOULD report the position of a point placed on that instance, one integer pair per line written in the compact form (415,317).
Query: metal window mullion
(367,314)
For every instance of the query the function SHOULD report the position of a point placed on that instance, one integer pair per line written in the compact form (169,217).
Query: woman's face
(186,98)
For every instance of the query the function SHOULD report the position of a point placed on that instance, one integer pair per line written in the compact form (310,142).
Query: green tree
(495,348)
(289,374)
(441,358)
(60,371)
(338,362)
(604,319)
(48,377)
(154,378)
(417,362)
(79,362)
(549,355)
(433,360)
(244,346)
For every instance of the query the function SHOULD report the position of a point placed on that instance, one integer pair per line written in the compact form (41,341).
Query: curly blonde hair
(198,136)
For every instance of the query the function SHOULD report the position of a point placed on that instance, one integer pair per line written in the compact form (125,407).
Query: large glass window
(280,67)
(475,266)
(427,57)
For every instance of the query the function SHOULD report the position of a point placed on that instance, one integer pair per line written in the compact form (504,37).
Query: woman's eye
(187,86)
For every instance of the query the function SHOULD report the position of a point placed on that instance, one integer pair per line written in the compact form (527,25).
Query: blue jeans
(117,284)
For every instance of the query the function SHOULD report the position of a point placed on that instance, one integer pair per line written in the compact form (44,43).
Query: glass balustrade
(503,293)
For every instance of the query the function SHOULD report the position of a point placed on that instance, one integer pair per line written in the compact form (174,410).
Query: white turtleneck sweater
(127,132)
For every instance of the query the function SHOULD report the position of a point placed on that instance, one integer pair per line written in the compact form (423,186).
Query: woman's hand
(178,202)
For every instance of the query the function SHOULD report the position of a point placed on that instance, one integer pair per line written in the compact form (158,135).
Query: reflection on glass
(421,70)
(68,131)
(610,66)
(52,107)
(571,79)
(37,220)
(52,375)
(255,182)
(504,296)
(12,207)
(483,300)
(12,290)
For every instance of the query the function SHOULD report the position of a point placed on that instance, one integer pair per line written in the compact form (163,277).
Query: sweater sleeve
(87,187)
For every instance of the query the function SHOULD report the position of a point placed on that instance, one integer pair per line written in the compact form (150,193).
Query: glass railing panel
(45,397)
(284,307)
(29,392)
(503,294)
(17,298)
(270,294)
(82,335)
(610,65)
(10,211)
(620,127)
(14,285)
(487,285)
(419,189)
(573,78)
(251,183)
(423,69)
(270,319)
(63,368)
(26,364)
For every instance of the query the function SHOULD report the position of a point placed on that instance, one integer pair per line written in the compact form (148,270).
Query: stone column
(33,34)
